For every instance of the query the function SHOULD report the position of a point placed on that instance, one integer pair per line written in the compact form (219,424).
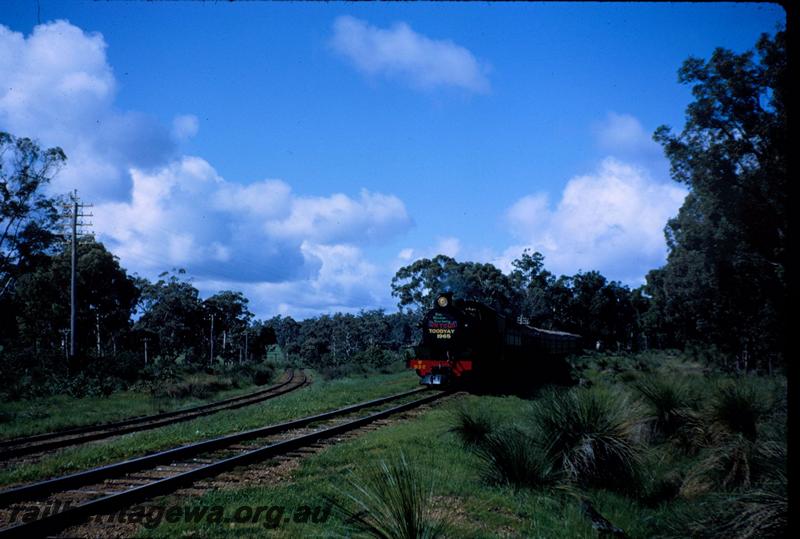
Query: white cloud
(57,75)
(156,209)
(235,236)
(528,213)
(400,52)
(405,254)
(57,86)
(337,217)
(611,221)
(345,282)
(185,126)
(623,136)
(186,215)
(448,246)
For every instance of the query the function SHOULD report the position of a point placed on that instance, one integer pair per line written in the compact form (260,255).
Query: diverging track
(17,447)
(116,486)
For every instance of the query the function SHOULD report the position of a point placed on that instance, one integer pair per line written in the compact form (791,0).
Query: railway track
(117,486)
(29,445)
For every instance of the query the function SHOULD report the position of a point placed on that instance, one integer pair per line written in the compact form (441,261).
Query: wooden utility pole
(74,213)
(73,292)
(211,360)
(97,331)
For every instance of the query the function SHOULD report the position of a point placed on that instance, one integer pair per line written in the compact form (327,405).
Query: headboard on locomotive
(442,329)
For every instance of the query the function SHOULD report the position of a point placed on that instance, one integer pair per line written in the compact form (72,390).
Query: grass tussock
(738,453)
(512,457)
(738,406)
(736,463)
(592,434)
(760,513)
(724,466)
(669,400)
(392,500)
(585,436)
(472,425)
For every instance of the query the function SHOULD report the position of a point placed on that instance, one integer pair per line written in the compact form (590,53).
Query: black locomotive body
(469,341)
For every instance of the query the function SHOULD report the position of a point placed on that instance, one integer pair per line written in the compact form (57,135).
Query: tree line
(723,287)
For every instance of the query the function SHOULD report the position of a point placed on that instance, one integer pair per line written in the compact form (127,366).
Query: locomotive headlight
(441,301)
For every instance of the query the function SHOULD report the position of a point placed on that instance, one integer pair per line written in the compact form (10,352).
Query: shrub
(262,375)
(125,365)
(161,369)
(196,385)
(392,500)
(591,434)
(346,370)
(375,357)
(394,367)
(45,374)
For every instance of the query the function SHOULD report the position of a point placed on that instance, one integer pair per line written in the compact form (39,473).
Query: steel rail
(57,440)
(58,521)
(137,419)
(24,492)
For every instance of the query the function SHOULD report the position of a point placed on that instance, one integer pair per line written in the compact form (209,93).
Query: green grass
(319,397)
(459,495)
(23,418)
(442,450)
(444,446)
(392,499)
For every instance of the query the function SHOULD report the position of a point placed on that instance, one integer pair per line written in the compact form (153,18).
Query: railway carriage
(469,341)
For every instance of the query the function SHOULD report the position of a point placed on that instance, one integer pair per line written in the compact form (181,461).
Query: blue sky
(303,152)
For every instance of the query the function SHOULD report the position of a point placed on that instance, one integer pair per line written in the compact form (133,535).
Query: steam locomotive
(467,341)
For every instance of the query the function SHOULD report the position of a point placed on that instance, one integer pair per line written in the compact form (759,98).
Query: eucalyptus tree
(725,279)
(231,321)
(28,216)
(108,297)
(171,309)
(417,284)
